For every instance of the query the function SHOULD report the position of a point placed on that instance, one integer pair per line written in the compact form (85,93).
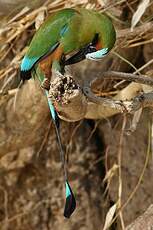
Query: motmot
(66,37)
(79,33)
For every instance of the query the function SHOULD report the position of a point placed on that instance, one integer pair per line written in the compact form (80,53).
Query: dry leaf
(111,172)
(109,175)
(102,3)
(39,19)
(109,216)
(21,13)
(139,12)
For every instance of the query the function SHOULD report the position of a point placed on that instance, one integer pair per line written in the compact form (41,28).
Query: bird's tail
(25,75)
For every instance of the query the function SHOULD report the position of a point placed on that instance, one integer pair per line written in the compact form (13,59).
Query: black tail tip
(70,204)
(25,75)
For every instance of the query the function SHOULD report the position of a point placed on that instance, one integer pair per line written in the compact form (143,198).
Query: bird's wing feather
(47,37)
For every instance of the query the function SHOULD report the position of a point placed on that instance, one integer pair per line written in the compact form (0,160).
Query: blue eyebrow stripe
(100,53)
(63,30)
(97,54)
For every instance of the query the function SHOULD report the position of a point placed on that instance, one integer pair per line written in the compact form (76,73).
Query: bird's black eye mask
(91,47)
(81,54)
(95,40)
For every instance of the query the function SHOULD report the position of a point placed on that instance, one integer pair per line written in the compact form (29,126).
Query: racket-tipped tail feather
(70,204)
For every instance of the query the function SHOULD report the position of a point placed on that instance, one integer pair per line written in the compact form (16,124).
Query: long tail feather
(70,204)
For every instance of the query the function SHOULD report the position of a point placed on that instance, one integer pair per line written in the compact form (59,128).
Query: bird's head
(95,50)
(97,54)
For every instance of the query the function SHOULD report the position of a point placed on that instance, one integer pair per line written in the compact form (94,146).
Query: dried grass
(16,32)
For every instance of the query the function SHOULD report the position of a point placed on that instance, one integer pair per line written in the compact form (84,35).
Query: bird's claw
(46,84)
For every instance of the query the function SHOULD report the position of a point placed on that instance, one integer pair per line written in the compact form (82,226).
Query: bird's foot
(46,84)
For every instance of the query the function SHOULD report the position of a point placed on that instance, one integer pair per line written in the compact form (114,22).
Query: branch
(126,37)
(111,75)
(68,98)
(143,222)
(122,106)
(72,105)
(72,102)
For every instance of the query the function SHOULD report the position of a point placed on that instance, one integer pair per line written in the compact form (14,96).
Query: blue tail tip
(70,204)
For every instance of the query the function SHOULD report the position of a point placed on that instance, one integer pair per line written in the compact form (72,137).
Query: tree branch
(126,37)
(72,102)
(143,222)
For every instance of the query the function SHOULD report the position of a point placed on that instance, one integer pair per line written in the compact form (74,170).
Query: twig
(26,212)
(142,79)
(144,66)
(143,100)
(143,222)
(69,144)
(135,121)
(140,178)
(126,38)
(114,104)
(44,140)
(120,171)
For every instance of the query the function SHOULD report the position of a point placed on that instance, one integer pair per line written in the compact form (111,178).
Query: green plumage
(73,29)
(49,33)
(85,34)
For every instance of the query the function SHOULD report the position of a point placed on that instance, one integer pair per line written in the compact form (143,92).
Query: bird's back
(49,33)
(97,23)
(73,29)
(82,29)
(46,38)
